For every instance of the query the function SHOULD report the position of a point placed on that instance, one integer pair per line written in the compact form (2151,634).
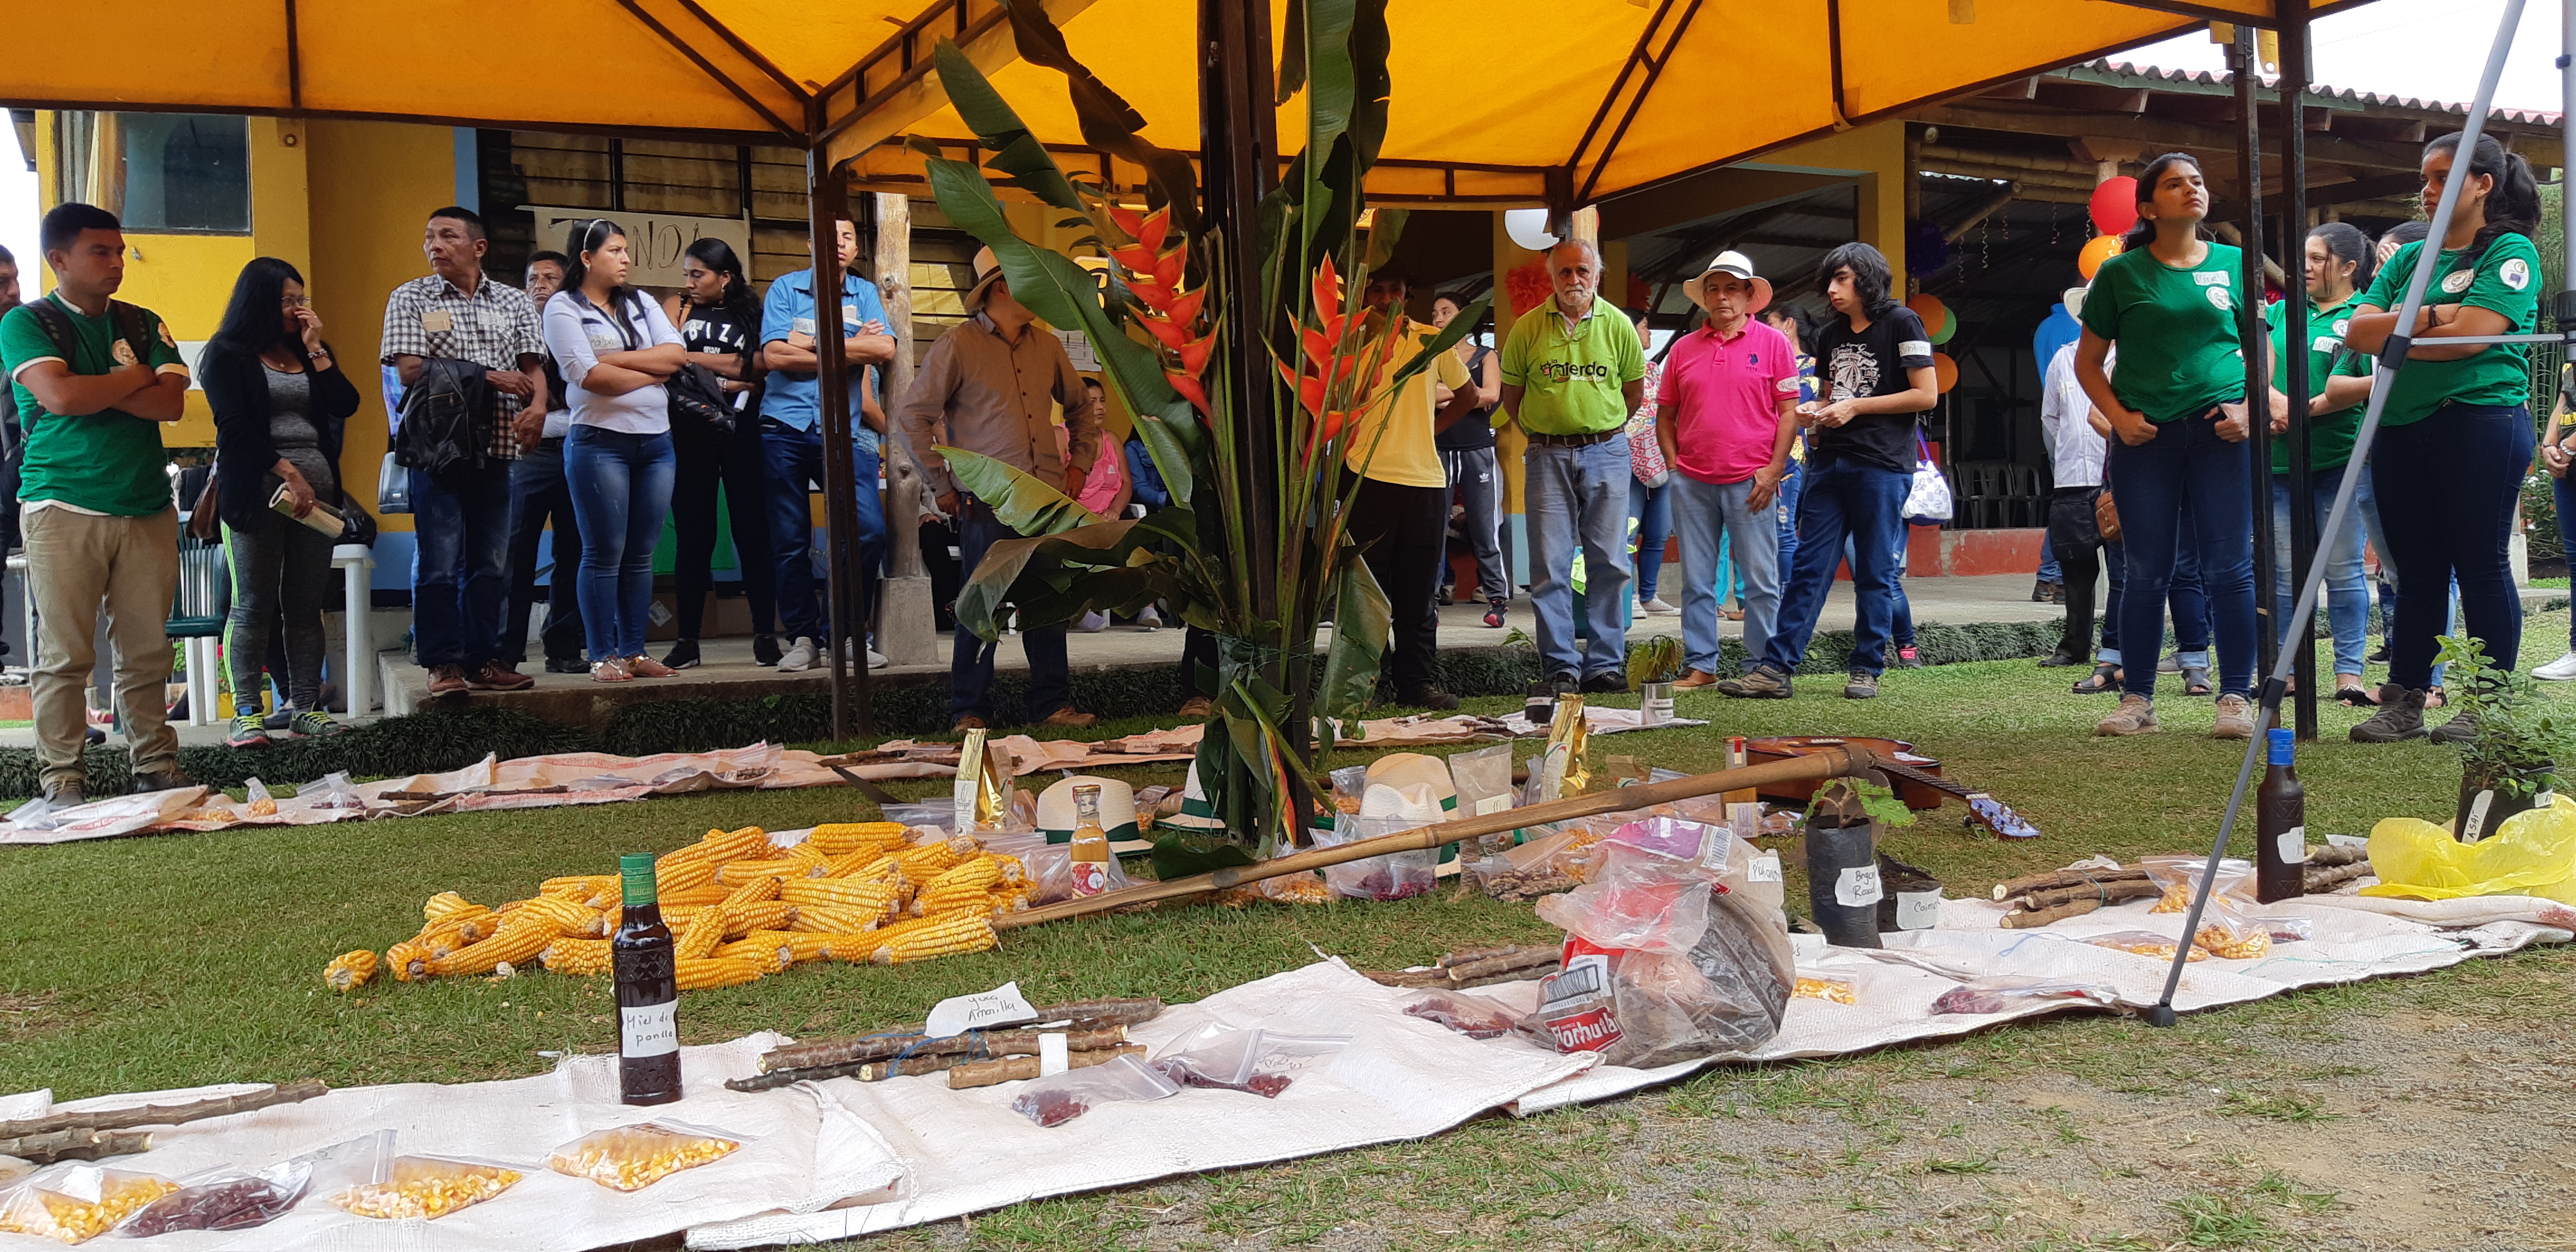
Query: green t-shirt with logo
(2176,328)
(1573,383)
(2330,435)
(106,462)
(2505,279)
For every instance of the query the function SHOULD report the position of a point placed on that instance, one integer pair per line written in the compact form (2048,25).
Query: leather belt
(1571,441)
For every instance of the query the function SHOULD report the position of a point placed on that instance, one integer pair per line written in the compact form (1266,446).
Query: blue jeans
(1843,499)
(2347,589)
(1579,496)
(2446,488)
(2186,472)
(792,465)
(460,567)
(2048,569)
(621,492)
(1787,505)
(1653,509)
(970,660)
(538,495)
(2365,500)
(1707,515)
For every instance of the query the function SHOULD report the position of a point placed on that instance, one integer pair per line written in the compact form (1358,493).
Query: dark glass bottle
(2280,826)
(648,991)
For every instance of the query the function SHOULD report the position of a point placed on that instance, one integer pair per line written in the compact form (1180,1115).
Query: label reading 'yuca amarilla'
(1576,1005)
(653,1030)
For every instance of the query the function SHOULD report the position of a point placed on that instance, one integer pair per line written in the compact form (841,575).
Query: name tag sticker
(437,321)
(2212,278)
(1914,347)
(801,326)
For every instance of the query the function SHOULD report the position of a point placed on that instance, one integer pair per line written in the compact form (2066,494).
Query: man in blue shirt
(791,441)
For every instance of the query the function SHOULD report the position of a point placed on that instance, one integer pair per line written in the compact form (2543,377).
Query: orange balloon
(2098,249)
(1945,372)
(1935,314)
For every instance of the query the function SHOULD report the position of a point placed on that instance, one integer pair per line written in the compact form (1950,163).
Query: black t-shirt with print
(1869,363)
(714,328)
(1475,430)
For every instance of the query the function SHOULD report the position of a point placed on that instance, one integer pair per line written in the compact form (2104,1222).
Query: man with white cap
(992,382)
(2076,454)
(1726,415)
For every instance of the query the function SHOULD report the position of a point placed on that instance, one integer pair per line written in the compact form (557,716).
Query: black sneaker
(1560,683)
(683,655)
(2380,657)
(2462,728)
(2400,716)
(2043,591)
(1429,697)
(1494,614)
(161,780)
(567,665)
(764,650)
(249,730)
(2059,658)
(1609,683)
(1862,685)
(1758,683)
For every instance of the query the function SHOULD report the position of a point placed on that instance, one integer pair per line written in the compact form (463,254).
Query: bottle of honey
(1090,843)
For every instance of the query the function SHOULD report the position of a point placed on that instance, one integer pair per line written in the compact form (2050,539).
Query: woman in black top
(280,402)
(719,320)
(1466,447)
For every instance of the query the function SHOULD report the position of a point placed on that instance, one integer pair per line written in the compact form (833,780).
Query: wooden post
(2295,383)
(907,627)
(827,203)
(2249,328)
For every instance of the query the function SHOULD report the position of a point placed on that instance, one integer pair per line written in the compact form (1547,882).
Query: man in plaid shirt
(460,581)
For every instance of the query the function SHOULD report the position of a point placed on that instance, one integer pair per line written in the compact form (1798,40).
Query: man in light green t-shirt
(95,381)
(1572,373)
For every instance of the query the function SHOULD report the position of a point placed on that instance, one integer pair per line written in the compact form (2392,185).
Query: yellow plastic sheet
(2534,854)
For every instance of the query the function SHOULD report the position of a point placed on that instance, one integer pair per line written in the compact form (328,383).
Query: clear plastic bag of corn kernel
(426,1187)
(78,1202)
(631,1158)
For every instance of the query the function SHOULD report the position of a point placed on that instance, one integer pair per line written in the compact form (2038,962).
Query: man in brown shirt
(992,382)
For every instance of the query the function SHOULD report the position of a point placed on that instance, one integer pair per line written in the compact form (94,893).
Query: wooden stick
(2110,892)
(2325,880)
(163,1114)
(1082,1016)
(1836,762)
(76,1144)
(2056,878)
(994,1073)
(927,1056)
(2024,919)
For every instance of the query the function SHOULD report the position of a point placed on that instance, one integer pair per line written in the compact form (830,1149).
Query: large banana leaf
(1023,501)
(1108,122)
(1111,566)
(1017,151)
(1361,619)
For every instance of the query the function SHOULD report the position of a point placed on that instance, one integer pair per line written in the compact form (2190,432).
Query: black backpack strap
(57,324)
(129,327)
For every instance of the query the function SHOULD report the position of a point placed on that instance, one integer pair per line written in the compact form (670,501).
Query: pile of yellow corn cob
(740,907)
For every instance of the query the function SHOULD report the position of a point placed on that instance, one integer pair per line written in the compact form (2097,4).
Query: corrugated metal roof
(2123,73)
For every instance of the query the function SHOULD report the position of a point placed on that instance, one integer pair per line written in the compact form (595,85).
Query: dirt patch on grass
(29,1015)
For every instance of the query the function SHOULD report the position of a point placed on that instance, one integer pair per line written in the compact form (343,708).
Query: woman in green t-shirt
(2455,432)
(2338,260)
(2168,300)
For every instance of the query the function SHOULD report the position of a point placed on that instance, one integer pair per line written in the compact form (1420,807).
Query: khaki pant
(76,564)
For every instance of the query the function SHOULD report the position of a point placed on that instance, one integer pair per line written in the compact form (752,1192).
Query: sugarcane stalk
(1835,762)
(1013,1069)
(162,1114)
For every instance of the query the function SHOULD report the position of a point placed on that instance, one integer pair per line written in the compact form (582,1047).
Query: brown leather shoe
(1694,679)
(447,680)
(1067,718)
(494,676)
(1199,707)
(966,723)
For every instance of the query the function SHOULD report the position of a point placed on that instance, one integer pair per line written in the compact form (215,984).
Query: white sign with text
(656,241)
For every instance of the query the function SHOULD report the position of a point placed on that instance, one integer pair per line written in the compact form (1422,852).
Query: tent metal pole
(2391,358)
(2246,62)
(2295,383)
(825,208)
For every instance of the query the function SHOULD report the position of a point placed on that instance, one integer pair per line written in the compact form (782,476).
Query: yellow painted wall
(1875,152)
(372,185)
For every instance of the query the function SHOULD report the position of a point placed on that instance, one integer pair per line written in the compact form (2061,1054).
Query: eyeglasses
(296,302)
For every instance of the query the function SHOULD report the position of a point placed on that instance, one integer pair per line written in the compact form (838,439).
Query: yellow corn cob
(705,931)
(762,915)
(863,864)
(827,920)
(349,970)
(753,892)
(578,887)
(710,894)
(736,873)
(445,904)
(838,839)
(966,934)
(518,943)
(811,855)
(700,974)
(770,957)
(577,956)
(670,877)
(407,960)
(570,918)
(721,846)
(978,875)
(930,860)
(446,937)
(801,947)
(678,917)
(862,894)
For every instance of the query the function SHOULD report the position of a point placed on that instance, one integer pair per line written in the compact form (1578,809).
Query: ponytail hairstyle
(739,300)
(587,236)
(2514,202)
(2346,242)
(2143,231)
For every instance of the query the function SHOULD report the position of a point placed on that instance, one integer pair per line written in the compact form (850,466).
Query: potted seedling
(1653,666)
(2509,765)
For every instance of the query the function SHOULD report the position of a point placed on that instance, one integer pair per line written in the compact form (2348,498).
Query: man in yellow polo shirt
(1401,514)
(1572,373)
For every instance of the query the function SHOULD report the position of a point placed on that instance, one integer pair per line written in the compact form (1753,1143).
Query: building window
(168,173)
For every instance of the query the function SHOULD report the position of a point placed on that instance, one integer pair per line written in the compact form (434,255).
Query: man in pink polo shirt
(1726,415)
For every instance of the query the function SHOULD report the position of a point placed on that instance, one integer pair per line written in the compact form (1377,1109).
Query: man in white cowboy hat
(1726,415)
(2076,454)
(993,381)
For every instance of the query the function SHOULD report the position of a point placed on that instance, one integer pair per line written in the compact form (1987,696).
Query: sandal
(2433,697)
(2356,697)
(2105,677)
(2195,680)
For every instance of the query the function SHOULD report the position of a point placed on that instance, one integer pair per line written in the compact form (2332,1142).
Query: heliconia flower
(1167,268)
(1332,426)
(1139,258)
(1154,294)
(1194,354)
(1156,226)
(1172,334)
(1319,349)
(1189,387)
(1184,308)
(1310,389)
(1129,221)
(1328,296)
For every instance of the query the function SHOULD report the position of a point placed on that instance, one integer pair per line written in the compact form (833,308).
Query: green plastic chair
(197,616)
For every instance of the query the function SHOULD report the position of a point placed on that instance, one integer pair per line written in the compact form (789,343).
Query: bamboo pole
(1842,762)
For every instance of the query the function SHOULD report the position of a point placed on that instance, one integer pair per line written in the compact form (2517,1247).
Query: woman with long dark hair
(719,319)
(2338,262)
(2168,301)
(280,402)
(616,349)
(2455,436)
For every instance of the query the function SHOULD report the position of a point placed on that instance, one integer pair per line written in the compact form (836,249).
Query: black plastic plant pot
(1910,897)
(2484,806)
(1843,887)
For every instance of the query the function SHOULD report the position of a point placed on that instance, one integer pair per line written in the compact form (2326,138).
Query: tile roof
(2130,73)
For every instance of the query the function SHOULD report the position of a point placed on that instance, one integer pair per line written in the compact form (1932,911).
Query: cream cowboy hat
(1058,814)
(1407,770)
(988,270)
(1734,264)
(2074,301)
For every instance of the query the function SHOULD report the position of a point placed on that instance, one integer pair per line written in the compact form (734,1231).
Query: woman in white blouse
(615,348)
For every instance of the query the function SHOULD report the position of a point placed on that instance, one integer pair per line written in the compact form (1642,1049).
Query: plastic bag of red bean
(226,1201)
(1064,1097)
